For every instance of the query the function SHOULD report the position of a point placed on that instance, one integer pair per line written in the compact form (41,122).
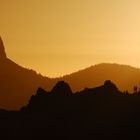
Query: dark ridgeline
(17,84)
(101,112)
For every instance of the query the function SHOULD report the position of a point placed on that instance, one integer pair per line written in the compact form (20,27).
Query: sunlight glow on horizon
(60,37)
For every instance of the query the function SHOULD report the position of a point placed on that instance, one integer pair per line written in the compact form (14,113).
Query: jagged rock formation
(61,96)
(61,88)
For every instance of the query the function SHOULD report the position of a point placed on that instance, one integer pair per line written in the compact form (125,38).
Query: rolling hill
(125,77)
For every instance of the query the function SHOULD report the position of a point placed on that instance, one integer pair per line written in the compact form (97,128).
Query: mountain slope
(17,84)
(126,77)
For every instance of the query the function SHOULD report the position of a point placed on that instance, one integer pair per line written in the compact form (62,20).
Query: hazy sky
(56,37)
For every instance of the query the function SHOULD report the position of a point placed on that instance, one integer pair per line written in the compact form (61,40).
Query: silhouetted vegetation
(97,112)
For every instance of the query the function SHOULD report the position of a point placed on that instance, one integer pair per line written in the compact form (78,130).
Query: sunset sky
(56,37)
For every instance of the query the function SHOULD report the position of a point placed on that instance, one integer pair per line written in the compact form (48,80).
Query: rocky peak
(111,86)
(62,88)
(2,50)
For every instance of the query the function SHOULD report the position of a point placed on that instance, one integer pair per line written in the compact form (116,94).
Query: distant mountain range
(17,84)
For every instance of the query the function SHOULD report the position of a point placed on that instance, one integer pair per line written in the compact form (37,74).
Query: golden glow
(56,37)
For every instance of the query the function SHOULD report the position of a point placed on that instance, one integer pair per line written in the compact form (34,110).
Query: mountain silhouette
(17,84)
(100,112)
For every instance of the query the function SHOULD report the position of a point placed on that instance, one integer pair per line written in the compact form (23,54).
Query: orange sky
(56,37)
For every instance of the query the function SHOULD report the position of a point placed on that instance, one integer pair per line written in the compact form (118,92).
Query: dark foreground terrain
(102,112)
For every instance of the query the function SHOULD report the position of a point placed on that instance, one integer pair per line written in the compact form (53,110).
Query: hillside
(126,77)
(17,84)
